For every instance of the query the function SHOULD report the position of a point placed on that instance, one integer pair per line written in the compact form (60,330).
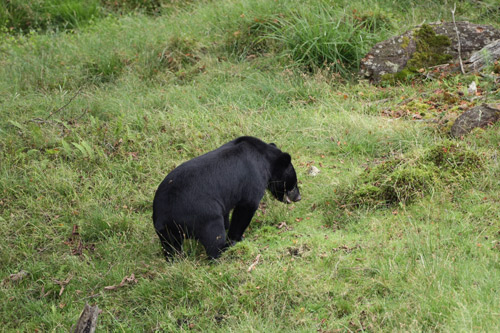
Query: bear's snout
(293,195)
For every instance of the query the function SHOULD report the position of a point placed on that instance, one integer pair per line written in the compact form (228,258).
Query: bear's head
(283,182)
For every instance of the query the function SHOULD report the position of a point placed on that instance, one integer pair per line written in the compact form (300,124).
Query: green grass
(92,120)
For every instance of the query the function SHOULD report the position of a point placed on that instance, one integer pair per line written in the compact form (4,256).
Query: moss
(417,107)
(430,48)
(406,42)
(405,179)
(405,75)
(430,51)
(396,180)
(410,182)
(496,67)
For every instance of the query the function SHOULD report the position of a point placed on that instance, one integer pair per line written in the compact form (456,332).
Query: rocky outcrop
(393,55)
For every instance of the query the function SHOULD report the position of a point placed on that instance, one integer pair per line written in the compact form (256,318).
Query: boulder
(478,116)
(425,46)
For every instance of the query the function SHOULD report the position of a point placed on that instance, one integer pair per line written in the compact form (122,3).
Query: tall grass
(24,16)
(49,15)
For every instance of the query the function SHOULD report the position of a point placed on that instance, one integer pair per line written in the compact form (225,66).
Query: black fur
(195,199)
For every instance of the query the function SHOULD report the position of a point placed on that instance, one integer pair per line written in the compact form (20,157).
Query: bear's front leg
(242,215)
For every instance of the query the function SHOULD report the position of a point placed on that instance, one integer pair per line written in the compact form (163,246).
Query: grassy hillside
(400,230)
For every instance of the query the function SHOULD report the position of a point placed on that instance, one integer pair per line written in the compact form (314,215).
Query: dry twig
(125,280)
(63,284)
(255,262)
(65,105)
(458,38)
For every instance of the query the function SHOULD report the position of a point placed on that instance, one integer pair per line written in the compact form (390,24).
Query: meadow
(99,100)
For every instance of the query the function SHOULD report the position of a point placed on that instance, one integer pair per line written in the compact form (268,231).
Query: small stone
(472,89)
(313,171)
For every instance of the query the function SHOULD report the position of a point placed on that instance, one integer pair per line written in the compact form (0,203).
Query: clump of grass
(104,69)
(324,37)
(402,180)
(177,56)
(253,38)
(373,21)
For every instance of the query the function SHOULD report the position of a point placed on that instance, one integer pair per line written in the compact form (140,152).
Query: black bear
(195,199)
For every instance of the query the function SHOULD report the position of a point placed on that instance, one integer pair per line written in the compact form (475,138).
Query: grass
(92,120)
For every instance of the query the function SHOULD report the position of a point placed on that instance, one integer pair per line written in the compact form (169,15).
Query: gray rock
(479,116)
(486,56)
(392,55)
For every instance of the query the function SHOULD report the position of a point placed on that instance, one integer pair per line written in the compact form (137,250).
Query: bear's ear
(272,144)
(284,160)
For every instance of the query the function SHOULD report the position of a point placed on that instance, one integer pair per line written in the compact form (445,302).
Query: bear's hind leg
(213,238)
(171,241)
